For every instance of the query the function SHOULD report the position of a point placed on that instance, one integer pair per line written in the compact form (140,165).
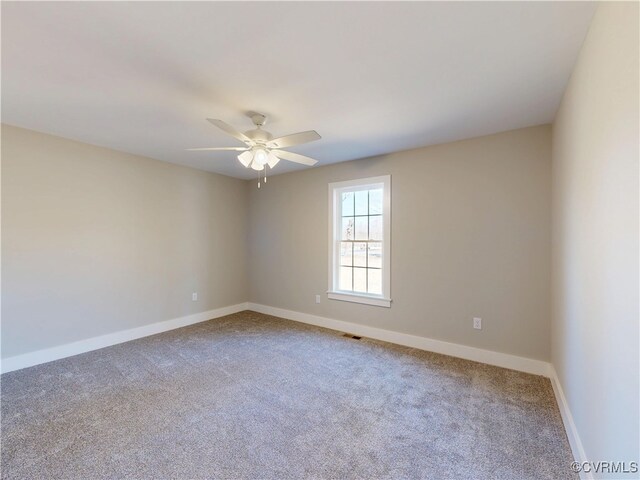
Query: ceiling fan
(261,149)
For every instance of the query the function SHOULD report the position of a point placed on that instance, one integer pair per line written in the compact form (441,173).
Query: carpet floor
(255,396)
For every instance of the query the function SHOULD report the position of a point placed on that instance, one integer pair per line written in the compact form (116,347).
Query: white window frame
(335,227)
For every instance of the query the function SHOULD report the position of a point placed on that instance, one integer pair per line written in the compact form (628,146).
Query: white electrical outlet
(194,296)
(317,298)
(477,323)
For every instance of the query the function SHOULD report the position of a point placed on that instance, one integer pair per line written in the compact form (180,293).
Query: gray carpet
(254,396)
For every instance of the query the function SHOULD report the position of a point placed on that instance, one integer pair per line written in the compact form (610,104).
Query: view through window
(361,241)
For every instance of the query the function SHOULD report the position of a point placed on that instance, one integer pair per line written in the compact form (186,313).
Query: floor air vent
(355,337)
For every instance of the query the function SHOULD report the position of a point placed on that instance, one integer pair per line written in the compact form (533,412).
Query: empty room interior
(320,240)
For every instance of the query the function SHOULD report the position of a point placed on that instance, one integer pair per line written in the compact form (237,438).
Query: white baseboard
(505,360)
(570,427)
(55,353)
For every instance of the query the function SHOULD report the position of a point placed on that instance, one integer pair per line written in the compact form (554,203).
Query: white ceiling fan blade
(225,127)
(294,139)
(207,149)
(294,157)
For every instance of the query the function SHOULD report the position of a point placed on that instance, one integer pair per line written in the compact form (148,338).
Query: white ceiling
(371,77)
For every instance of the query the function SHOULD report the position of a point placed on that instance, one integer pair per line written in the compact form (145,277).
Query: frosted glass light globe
(260,157)
(256,166)
(245,158)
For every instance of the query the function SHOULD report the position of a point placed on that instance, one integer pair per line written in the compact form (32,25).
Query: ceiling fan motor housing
(258,135)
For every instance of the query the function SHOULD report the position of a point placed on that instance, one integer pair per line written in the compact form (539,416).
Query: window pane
(360,280)
(347,228)
(346,257)
(362,228)
(347,204)
(375,201)
(375,255)
(362,201)
(375,281)
(375,228)
(360,254)
(345,278)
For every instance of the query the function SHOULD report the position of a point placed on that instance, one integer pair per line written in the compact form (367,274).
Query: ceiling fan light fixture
(273,160)
(260,157)
(256,166)
(245,158)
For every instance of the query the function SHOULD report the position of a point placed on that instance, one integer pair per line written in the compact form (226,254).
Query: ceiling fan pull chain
(258,180)
(265,174)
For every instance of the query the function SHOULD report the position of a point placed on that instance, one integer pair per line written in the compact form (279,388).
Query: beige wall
(595,237)
(470,237)
(96,241)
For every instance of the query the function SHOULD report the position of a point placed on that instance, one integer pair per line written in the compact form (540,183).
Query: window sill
(365,299)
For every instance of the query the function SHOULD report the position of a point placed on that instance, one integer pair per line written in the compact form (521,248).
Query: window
(359,241)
